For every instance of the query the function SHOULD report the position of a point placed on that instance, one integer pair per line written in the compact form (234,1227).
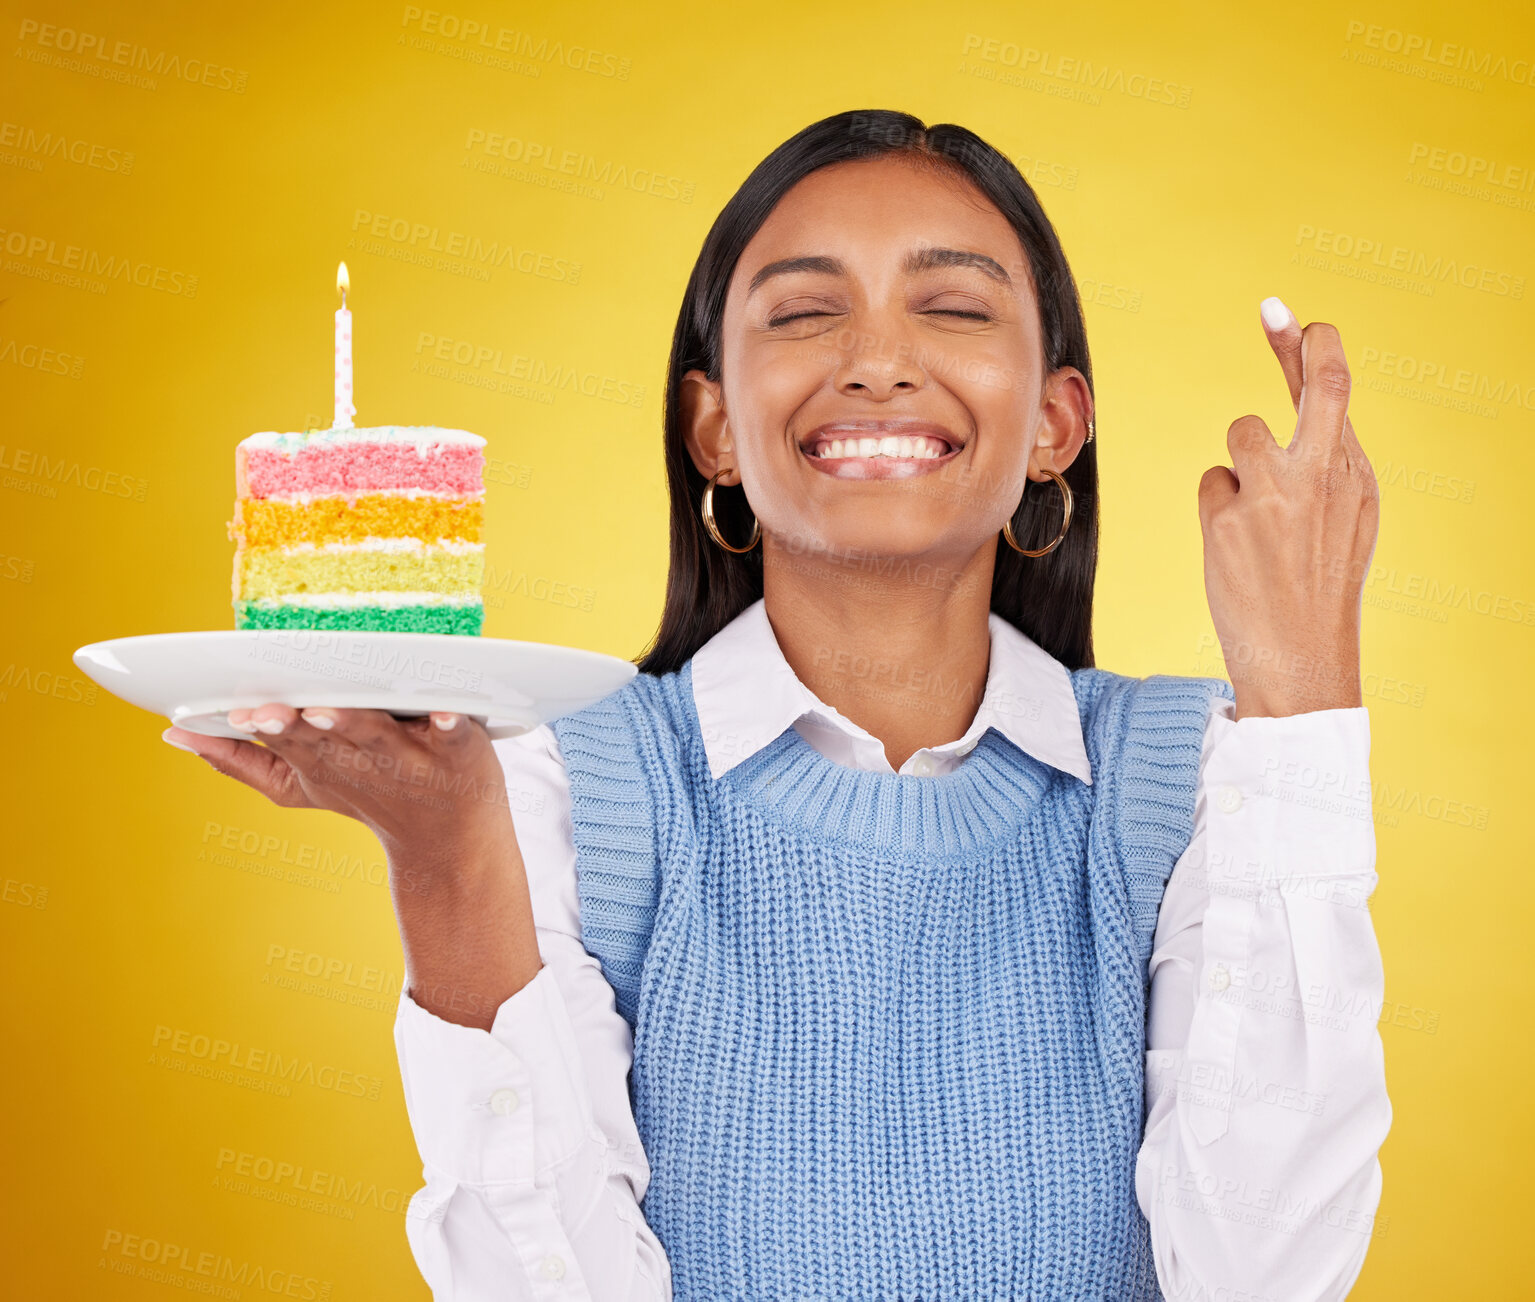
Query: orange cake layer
(274,522)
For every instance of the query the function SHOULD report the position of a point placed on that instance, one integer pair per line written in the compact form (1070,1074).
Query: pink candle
(344,408)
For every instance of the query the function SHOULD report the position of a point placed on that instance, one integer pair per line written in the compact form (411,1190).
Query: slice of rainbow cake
(376,528)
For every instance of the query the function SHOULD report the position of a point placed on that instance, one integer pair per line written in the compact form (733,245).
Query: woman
(947,965)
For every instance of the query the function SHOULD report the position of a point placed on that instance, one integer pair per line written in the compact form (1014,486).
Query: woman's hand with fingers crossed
(1288,536)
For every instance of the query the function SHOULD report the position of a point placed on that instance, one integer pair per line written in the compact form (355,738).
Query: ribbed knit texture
(889,1031)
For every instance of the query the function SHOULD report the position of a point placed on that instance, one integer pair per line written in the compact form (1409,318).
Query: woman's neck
(900,648)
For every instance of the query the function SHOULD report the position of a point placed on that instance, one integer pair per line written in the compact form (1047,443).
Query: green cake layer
(467,619)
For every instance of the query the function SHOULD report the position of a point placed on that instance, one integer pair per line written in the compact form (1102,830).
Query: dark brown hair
(1050,597)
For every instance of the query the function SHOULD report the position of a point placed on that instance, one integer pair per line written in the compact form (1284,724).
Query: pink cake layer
(330,468)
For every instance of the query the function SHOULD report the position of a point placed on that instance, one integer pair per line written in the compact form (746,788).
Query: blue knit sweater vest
(889,1031)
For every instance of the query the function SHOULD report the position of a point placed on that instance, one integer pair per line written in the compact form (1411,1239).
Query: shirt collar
(746,694)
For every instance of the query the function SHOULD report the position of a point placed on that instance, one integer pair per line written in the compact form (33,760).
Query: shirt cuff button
(504,1102)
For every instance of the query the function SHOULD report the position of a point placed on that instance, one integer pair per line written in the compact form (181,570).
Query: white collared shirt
(1266,1096)
(1028,699)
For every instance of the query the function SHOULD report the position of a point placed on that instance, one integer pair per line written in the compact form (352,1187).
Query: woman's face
(888,308)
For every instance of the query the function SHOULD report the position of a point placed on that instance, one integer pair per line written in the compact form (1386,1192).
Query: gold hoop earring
(1007,529)
(708,514)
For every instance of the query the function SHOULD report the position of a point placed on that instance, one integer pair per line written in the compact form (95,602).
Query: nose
(876,385)
(877,364)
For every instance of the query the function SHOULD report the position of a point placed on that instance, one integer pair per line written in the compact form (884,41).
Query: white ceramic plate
(194,679)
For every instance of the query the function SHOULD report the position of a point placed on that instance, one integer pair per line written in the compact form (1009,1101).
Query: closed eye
(937,311)
(954,311)
(797,316)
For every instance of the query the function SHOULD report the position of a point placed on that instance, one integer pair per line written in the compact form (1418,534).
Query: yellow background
(1177,220)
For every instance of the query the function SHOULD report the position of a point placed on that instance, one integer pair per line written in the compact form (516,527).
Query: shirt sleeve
(1265,1077)
(532,1161)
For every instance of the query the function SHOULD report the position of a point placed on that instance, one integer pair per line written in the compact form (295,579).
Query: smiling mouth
(878,451)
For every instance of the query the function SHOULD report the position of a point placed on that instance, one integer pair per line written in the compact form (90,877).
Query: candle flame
(343,282)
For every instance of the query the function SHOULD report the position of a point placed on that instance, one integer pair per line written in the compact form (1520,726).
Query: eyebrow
(917,260)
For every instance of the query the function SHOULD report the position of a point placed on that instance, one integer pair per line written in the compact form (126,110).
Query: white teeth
(919,447)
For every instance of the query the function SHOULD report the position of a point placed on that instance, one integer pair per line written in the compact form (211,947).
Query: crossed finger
(1317,374)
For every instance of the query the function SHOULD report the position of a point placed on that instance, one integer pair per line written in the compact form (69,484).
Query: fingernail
(1275,314)
(245,725)
(167,739)
(271,726)
(321,721)
(445,722)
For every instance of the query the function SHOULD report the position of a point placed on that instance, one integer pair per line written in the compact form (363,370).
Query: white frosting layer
(455,546)
(417,436)
(303,499)
(340,600)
